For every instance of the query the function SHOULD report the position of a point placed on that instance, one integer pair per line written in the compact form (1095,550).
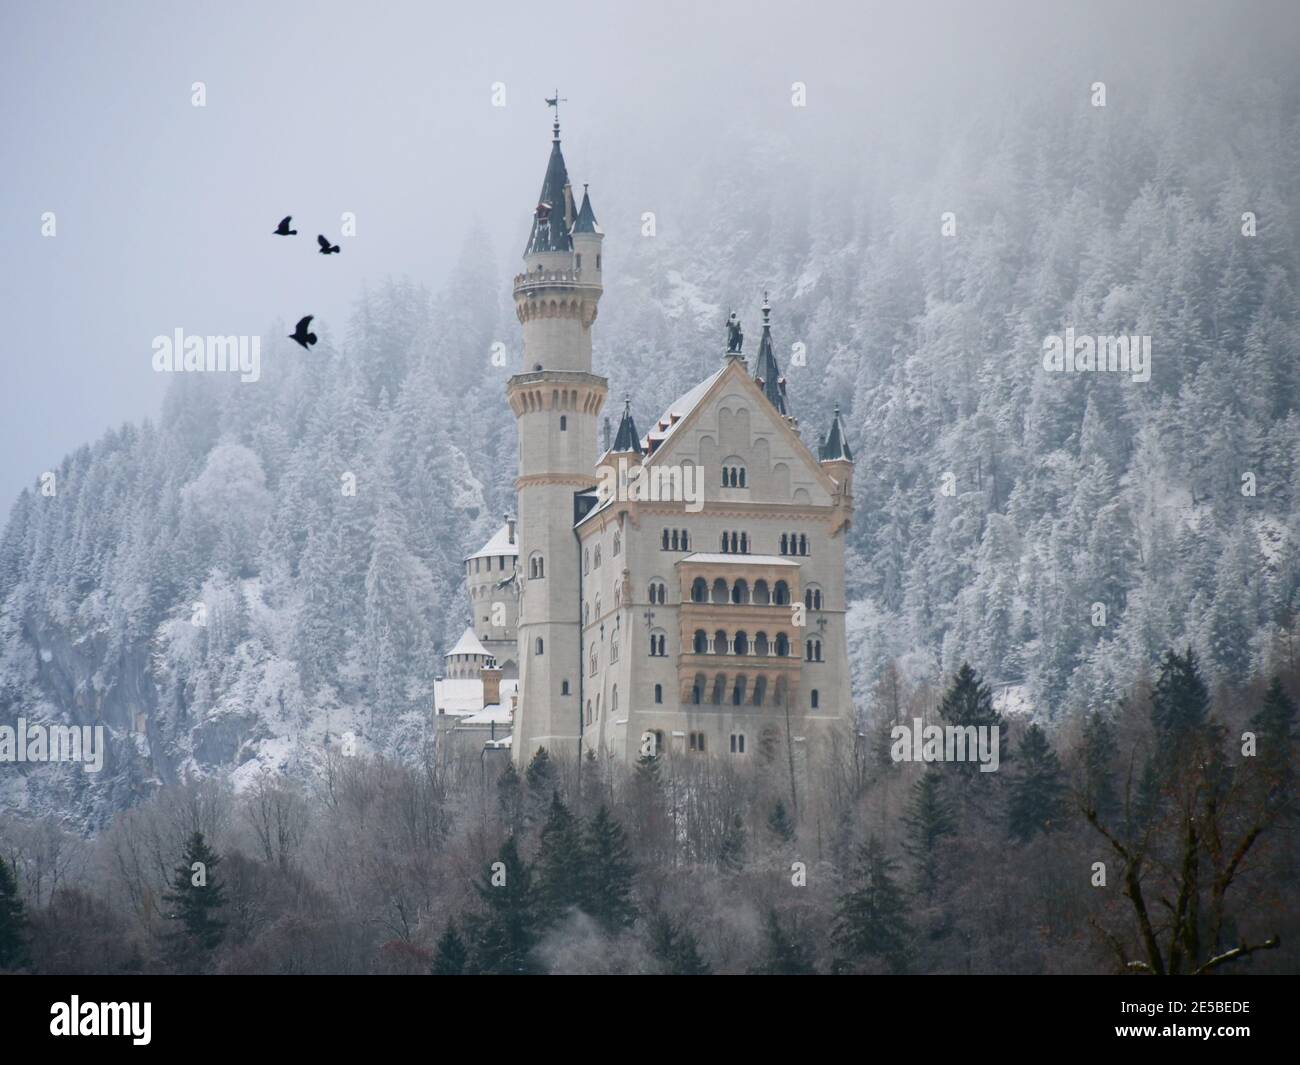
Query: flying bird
(326,248)
(301,335)
(283,230)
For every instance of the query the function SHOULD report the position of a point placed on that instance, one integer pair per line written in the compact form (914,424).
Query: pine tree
(1180,701)
(197,896)
(561,863)
(450,955)
(609,874)
(540,778)
(786,951)
(1035,803)
(13,922)
(731,848)
(778,823)
(510,798)
(871,917)
(969,701)
(929,819)
(1274,728)
(1099,751)
(676,947)
(503,936)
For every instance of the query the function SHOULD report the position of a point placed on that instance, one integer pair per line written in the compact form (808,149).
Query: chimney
(510,525)
(491,675)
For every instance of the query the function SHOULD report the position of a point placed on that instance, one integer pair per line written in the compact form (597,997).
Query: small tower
(766,371)
(556,400)
(837,460)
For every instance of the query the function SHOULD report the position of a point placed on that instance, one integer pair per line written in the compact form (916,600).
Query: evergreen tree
(1274,728)
(731,848)
(450,955)
(871,916)
(561,863)
(609,873)
(779,824)
(502,937)
(969,701)
(676,947)
(197,896)
(786,952)
(540,778)
(929,819)
(1180,701)
(13,922)
(1036,788)
(510,799)
(1099,750)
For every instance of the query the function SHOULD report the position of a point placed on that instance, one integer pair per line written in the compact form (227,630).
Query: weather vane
(555,101)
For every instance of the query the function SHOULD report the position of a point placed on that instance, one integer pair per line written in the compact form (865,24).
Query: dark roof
(550,231)
(586,222)
(627,439)
(836,444)
(766,371)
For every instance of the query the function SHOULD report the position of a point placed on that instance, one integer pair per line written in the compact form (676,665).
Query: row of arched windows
(676,540)
(657,592)
(733,476)
(735,543)
(813,650)
(472,564)
(740,593)
(794,543)
(536,565)
(658,645)
(740,644)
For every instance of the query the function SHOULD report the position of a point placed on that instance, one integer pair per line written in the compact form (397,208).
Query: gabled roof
(499,544)
(586,222)
(836,444)
(468,644)
(550,229)
(676,412)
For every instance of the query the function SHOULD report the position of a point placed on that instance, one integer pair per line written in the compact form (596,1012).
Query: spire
(586,222)
(550,228)
(836,444)
(627,439)
(766,371)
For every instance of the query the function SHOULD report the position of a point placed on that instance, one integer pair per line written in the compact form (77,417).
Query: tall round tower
(557,401)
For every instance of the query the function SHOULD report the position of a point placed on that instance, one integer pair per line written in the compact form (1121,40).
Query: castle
(684,590)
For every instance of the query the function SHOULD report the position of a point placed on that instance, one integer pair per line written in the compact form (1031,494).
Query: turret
(837,460)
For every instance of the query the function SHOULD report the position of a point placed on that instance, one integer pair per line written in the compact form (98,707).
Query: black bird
(301,335)
(283,230)
(326,247)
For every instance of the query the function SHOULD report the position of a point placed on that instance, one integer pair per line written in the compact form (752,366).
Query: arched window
(697,690)
(685,541)
(781,594)
(720,594)
(742,485)
(613,700)
(665,540)
(593,660)
(659,693)
(536,566)
(744,543)
(803,544)
(725,541)
(700,643)
(808,650)
(676,540)
(740,591)
(785,544)
(538,646)
(737,743)
(719,689)
(741,643)
(761,595)
(817,650)
(662,646)
(595,558)
(814,698)
(699,590)
(588,711)
(613,649)
(760,643)
(618,544)
(760,690)
(564,687)
(782,645)
(598,610)
(586,614)
(720,642)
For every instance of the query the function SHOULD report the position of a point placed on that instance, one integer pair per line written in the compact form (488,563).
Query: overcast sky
(164,210)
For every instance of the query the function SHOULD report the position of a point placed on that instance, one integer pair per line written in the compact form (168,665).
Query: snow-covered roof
(458,696)
(499,544)
(468,644)
(677,411)
(739,560)
(496,714)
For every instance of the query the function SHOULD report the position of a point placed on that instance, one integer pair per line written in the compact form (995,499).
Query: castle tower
(557,401)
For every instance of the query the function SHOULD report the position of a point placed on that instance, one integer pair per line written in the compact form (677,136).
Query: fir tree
(561,863)
(1274,728)
(540,778)
(13,922)
(786,951)
(1180,701)
(731,848)
(503,936)
(1035,802)
(929,819)
(969,701)
(450,955)
(871,916)
(676,947)
(778,823)
(197,896)
(609,874)
(510,799)
(1099,751)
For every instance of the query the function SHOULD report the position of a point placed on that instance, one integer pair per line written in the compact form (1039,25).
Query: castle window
(720,642)
(597,262)
(781,594)
(740,592)
(760,643)
(586,614)
(564,423)
(697,742)
(685,541)
(586,560)
(695,694)
(665,545)
(699,590)
(564,687)
(761,595)
(536,566)
(657,592)
(588,711)
(659,693)
(613,700)
(593,660)
(741,643)
(803,544)
(700,642)
(814,698)
(613,650)
(720,593)
(658,645)
(537,646)
(782,645)
(658,738)
(737,743)
(674,539)
(812,598)
(760,689)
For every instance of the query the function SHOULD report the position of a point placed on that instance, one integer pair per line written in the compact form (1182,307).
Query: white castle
(684,590)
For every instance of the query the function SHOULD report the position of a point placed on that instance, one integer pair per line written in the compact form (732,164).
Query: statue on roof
(735,335)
